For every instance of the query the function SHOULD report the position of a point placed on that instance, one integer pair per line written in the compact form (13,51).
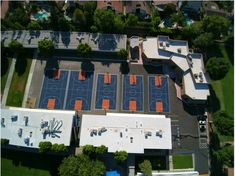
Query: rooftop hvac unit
(93,132)
(161,43)
(190,57)
(179,50)
(167,44)
(102,130)
(200,74)
(201,80)
(164,47)
(20,130)
(2,122)
(26,140)
(14,118)
(120,134)
(159,133)
(195,75)
(147,134)
(26,120)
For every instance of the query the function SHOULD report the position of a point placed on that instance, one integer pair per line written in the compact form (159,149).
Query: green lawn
(4,76)
(16,163)
(19,80)
(182,161)
(224,88)
(11,169)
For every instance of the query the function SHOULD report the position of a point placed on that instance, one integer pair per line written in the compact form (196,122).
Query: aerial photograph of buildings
(117,88)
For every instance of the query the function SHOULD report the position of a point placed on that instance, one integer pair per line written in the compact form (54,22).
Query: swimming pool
(41,15)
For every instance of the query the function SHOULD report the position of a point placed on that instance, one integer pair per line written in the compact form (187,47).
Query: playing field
(182,161)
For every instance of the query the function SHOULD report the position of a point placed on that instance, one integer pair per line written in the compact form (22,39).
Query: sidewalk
(8,83)
(26,92)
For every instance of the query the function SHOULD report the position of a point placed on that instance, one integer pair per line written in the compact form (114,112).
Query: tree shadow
(88,67)
(213,101)
(21,64)
(153,69)
(106,63)
(65,37)
(229,47)
(51,64)
(124,68)
(4,64)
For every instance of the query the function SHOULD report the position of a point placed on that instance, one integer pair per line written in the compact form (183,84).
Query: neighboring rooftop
(28,127)
(163,48)
(130,132)
(117,6)
(68,40)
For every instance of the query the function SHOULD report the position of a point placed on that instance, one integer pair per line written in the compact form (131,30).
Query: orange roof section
(105,104)
(117,5)
(81,76)
(57,74)
(132,105)
(78,105)
(107,78)
(159,106)
(132,79)
(158,81)
(51,104)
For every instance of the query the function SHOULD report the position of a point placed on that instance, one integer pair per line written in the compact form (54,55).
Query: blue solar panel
(53,89)
(132,92)
(80,90)
(106,91)
(158,93)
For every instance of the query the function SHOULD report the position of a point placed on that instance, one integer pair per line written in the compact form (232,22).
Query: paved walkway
(8,83)
(26,92)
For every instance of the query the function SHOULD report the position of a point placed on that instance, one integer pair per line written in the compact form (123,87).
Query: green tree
(217,68)
(215,24)
(83,49)
(122,53)
(203,41)
(146,167)
(46,47)
(89,150)
(45,146)
(59,148)
(155,21)
(169,9)
(15,46)
(131,20)
(226,155)
(81,165)
(101,149)
(79,18)
(33,25)
(20,16)
(223,123)
(104,20)
(192,31)
(64,25)
(119,25)
(178,18)
(89,9)
(120,156)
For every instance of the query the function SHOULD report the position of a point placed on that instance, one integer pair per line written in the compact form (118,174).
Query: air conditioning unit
(179,50)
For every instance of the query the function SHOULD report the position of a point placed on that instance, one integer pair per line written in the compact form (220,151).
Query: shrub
(59,148)
(45,146)
(223,123)
(120,156)
(101,150)
(4,141)
(146,167)
(15,46)
(122,53)
(88,150)
(46,47)
(217,68)
(83,49)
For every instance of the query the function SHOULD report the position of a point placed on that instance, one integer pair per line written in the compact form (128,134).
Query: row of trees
(48,146)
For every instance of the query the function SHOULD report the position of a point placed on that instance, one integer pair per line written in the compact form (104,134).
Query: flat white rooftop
(28,127)
(130,132)
(197,91)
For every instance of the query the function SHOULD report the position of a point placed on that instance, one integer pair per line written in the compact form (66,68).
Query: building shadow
(65,37)
(213,101)
(124,68)
(88,67)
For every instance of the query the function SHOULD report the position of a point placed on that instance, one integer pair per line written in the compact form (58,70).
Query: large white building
(194,76)
(28,127)
(130,132)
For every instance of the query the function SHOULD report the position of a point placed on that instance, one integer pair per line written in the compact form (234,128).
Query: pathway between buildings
(8,83)
(26,92)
